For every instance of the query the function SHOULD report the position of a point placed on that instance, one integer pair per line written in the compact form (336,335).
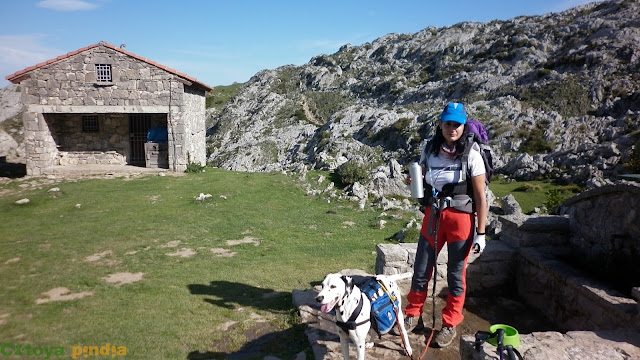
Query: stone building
(99,104)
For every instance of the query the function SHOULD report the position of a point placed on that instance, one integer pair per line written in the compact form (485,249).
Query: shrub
(528,187)
(393,136)
(534,141)
(324,137)
(300,114)
(569,98)
(287,81)
(193,167)
(353,171)
(323,104)
(554,198)
(633,165)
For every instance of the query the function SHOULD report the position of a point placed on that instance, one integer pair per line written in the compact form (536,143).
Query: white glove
(479,243)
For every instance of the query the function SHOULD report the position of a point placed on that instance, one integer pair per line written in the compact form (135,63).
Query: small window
(90,123)
(103,73)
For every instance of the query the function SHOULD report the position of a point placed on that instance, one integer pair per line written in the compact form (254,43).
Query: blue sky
(220,42)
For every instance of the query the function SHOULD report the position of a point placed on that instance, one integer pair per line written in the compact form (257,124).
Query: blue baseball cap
(454,112)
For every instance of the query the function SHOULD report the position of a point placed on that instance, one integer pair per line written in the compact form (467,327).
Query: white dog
(339,292)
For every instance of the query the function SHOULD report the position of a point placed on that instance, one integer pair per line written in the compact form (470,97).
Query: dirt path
(305,107)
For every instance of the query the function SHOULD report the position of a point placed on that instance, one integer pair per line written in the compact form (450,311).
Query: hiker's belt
(462,202)
(459,202)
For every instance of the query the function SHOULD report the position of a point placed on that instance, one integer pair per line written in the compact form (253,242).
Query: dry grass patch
(97,256)
(223,252)
(12,260)
(171,244)
(184,252)
(123,278)
(61,294)
(245,240)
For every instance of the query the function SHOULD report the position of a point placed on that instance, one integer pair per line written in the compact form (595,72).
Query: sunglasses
(451,124)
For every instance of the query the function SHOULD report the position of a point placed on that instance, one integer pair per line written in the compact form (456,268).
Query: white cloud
(18,52)
(67,5)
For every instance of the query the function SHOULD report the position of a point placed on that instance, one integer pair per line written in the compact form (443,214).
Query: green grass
(178,308)
(532,194)
(221,94)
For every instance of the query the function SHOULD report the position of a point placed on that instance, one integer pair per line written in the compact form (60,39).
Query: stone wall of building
(91,158)
(69,86)
(112,133)
(72,81)
(40,147)
(194,115)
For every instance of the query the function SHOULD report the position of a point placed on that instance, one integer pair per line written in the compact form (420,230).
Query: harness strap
(459,188)
(393,298)
(351,324)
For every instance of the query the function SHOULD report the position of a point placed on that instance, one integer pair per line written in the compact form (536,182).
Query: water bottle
(415,171)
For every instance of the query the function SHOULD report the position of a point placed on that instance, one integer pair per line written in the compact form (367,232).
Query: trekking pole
(434,210)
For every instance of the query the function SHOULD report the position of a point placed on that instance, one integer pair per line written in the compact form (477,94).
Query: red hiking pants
(455,230)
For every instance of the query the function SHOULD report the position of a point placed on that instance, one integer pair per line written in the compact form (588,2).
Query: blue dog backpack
(383,316)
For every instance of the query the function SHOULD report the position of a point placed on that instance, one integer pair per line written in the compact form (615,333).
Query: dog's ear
(348,281)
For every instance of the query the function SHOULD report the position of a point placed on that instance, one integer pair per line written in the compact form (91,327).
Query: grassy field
(164,276)
(532,194)
(196,279)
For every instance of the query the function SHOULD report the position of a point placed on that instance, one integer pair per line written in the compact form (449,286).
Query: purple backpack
(477,128)
(478,133)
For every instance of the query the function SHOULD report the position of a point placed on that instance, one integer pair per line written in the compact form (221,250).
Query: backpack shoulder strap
(465,156)
(426,150)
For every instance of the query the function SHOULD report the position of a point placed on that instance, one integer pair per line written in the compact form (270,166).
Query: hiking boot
(445,336)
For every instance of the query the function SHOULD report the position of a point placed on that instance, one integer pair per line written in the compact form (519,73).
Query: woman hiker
(442,166)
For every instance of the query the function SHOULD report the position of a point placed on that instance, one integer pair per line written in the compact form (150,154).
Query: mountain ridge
(563,87)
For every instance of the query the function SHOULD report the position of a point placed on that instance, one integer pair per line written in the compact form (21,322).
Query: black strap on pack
(451,190)
(369,285)
(351,324)
(483,336)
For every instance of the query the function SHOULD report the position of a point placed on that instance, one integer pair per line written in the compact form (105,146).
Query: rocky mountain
(558,93)
(11,134)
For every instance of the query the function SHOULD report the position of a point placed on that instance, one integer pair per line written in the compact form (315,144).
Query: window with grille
(90,123)
(103,72)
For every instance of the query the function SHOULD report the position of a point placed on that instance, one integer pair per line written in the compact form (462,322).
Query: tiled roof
(16,77)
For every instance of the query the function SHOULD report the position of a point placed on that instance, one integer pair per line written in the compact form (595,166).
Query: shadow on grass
(263,338)
(285,344)
(230,295)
